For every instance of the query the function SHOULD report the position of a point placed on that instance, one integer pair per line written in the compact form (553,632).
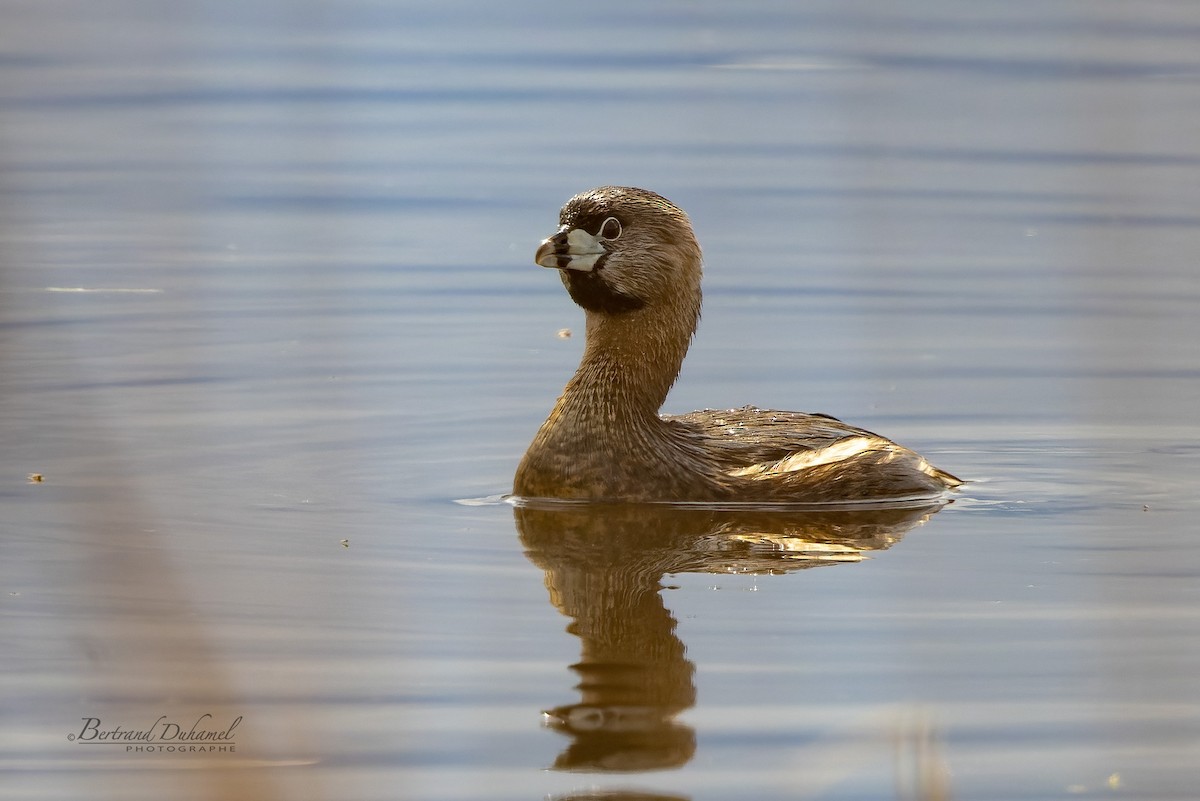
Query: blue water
(269,312)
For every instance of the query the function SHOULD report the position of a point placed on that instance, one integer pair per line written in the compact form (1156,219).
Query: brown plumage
(630,259)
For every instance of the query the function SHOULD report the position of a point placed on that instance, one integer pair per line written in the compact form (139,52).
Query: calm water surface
(269,313)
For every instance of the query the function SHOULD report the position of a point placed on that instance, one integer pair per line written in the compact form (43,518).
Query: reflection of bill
(604,565)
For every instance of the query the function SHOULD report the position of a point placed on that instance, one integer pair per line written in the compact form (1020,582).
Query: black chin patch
(591,292)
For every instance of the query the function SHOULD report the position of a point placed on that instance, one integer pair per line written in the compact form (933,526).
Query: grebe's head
(620,249)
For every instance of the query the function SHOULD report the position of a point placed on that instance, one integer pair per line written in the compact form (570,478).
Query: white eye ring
(610,224)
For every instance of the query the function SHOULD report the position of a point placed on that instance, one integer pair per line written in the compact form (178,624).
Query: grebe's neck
(629,364)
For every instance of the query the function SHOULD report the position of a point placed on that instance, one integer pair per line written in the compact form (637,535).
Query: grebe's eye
(610,229)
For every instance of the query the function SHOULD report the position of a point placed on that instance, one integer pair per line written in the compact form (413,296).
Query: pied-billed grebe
(630,259)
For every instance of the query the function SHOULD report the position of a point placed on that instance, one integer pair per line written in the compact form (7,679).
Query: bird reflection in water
(604,565)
